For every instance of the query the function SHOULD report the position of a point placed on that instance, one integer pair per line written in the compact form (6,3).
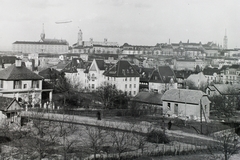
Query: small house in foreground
(9,110)
(186,103)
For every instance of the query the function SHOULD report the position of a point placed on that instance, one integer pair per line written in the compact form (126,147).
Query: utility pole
(201,115)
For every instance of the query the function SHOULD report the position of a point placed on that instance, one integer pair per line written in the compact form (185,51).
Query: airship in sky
(63,21)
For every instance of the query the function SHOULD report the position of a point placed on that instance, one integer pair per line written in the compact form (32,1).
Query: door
(176,109)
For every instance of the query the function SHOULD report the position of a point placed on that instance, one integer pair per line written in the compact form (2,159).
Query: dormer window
(131,70)
(123,71)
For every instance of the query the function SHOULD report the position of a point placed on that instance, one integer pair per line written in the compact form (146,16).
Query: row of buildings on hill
(60,46)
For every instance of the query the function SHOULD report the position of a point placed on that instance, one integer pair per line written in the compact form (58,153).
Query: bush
(157,137)
(4,139)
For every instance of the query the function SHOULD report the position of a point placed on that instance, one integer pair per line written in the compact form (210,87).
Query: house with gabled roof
(186,103)
(182,76)
(145,75)
(95,75)
(163,78)
(212,75)
(49,74)
(124,76)
(228,91)
(19,82)
(9,110)
(75,73)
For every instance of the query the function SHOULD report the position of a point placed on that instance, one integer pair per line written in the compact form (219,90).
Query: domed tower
(42,34)
(80,37)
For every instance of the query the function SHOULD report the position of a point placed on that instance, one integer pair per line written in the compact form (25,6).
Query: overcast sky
(139,22)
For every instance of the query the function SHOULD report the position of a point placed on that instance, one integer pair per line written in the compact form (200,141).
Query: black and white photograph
(119,79)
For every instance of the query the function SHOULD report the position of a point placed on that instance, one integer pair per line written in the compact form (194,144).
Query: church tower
(80,37)
(42,34)
(225,40)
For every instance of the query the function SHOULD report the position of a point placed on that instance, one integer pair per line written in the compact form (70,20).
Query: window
(130,93)
(134,92)
(130,85)
(92,86)
(35,84)
(130,79)
(134,78)
(1,83)
(17,85)
(25,86)
(126,79)
(169,106)
(125,85)
(134,85)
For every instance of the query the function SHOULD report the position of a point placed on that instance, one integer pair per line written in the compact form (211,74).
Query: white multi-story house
(124,77)
(212,75)
(95,74)
(18,82)
(162,79)
(75,73)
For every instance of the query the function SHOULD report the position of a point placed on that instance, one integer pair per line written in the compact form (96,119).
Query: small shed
(9,110)
(186,103)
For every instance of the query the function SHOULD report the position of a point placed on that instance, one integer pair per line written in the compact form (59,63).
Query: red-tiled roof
(18,73)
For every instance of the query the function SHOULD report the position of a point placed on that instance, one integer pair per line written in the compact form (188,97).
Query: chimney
(18,62)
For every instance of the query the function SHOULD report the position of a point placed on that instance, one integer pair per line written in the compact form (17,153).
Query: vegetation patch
(156,136)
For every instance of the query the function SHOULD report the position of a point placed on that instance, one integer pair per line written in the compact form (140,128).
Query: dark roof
(183,96)
(76,63)
(227,89)
(122,69)
(164,74)
(145,74)
(18,73)
(7,59)
(211,71)
(5,103)
(184,74)
(100,64)
(148,97)
(47,42)
(49,73)
(62,64)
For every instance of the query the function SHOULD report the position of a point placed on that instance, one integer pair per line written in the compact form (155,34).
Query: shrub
(157,137)
(4,139)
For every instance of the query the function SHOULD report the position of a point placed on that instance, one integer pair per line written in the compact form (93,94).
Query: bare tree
(65,132)
(94,139)
(226,104)
(139,137)
(227,146)
(42,133)
(122,141)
